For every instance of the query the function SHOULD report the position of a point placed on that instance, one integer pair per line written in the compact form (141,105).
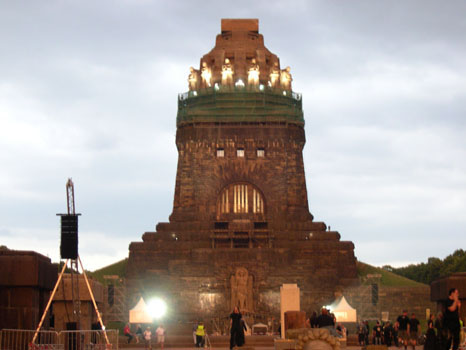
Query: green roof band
(239,104)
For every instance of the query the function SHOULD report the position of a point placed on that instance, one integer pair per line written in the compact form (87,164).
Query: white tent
(343,311)
(139,314)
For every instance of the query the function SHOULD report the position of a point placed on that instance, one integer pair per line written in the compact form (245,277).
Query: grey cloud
(89,90)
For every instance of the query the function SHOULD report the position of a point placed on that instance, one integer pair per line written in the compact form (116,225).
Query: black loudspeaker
(375,294)
(69,237)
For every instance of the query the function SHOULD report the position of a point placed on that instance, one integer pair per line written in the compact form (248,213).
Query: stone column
(289,301)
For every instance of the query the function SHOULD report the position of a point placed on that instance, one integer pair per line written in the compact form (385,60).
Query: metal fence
(19,339)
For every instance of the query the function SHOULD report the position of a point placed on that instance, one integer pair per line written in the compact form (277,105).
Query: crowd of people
(327,320)
(443,330)
(145,336)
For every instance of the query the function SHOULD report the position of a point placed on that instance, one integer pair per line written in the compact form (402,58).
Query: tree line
(434,269)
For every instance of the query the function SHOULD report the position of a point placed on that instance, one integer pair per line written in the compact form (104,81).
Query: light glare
(156,308)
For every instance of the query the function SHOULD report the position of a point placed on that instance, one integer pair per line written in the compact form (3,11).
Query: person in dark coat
(451,320)
(431,339)
(441,332)
(388,334)
(240,337)
(236,328)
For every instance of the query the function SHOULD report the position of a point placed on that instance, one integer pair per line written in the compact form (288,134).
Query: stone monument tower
(240,226)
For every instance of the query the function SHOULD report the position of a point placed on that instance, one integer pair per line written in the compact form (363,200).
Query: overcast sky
(88,90)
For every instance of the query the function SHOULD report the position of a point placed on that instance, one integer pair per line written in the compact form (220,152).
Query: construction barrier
(20,339)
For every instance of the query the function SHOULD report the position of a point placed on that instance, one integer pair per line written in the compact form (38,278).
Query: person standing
(139,335)
(431,341)
(403,321)
(362,334)
(452,319)
(414,327)
(388,334)
(160,332)
(235,328)
(325,320)
(313,319)
(366,323)
(147,339)
(200,334)
(377,334)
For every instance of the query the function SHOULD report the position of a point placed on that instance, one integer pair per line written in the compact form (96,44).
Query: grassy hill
(387,278)
(118,269)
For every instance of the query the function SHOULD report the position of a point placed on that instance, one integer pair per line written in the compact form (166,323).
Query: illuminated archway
(240,198)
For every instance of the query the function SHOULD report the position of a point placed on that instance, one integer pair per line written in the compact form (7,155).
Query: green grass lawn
(118,269)
(387,278)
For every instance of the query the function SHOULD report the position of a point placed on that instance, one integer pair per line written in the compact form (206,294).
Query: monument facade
(240,226)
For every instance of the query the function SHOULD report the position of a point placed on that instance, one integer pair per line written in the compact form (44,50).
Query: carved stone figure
(227,73)
(241,290)
(285,79)
(274,76)
(253,73)
(206,75)
(193,79)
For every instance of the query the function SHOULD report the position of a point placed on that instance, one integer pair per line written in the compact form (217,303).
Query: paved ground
(269,348)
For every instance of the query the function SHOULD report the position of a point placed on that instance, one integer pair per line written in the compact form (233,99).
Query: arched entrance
(240,219)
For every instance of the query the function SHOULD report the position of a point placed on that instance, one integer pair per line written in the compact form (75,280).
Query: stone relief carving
(206,75)
(285,78)
(193,79)
(241,290)
(227,73)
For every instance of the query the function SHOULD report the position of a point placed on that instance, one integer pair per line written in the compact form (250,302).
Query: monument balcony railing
(220,89)
(259,233)
(240,104)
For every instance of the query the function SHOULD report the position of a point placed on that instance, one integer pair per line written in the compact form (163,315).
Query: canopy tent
(343,311)
(139,314)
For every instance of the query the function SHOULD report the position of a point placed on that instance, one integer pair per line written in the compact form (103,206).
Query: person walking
(414,327)
(160,333)
(235,328)
(403,321)
(200,335)
(147,339)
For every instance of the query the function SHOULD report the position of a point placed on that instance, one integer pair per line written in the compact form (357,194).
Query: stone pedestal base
(313,339)
(284,344)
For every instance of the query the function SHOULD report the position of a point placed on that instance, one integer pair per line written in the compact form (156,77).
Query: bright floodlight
(156,308)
